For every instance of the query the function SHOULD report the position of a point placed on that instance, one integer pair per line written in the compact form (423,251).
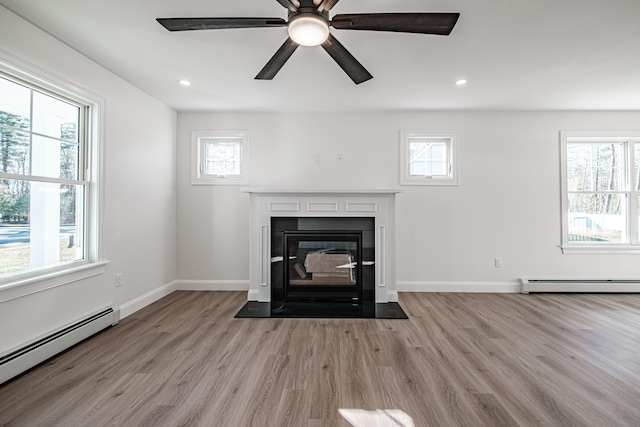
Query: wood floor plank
(460,360)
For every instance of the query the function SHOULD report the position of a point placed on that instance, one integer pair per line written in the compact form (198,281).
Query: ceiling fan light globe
(308,30)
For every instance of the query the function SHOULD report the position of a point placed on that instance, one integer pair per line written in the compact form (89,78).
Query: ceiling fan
(309,23)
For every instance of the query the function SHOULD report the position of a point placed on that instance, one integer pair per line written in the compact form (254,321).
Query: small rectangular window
(219,157)
(222,158)
(428,158)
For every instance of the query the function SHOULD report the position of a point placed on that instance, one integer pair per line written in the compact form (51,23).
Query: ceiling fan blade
(187,24)
(326,5)
(424,23)
(289,4)
(346,61)
(276,62)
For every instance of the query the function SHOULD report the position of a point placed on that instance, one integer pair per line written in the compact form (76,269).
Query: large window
(428,158)
(600,191)
(219,157)
(46,199)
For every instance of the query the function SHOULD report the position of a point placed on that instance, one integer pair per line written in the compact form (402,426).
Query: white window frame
(628,138)
(452,141)
(197,157)
(29,282)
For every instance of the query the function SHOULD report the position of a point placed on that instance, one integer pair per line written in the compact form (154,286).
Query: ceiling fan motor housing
(308,27)
(309,12)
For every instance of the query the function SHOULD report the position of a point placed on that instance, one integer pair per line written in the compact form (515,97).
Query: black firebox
(322,265)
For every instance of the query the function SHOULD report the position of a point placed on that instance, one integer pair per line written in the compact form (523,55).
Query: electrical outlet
(118,280)
(339,158)
(498,262)
(316,159)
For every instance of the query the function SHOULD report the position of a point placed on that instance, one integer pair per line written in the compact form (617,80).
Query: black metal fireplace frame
(348,293)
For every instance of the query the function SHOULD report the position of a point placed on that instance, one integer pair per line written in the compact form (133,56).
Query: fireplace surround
(308,206)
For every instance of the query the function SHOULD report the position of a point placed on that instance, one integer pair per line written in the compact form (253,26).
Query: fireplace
(331,269)
(340,244)
(322,259)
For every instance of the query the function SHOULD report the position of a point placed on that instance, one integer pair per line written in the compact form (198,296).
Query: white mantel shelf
(267,203)
(320,191)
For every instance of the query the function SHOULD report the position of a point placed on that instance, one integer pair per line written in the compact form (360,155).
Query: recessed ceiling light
(461,82)
(185,82)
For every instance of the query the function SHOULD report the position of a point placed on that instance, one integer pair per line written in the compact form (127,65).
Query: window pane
(55,118)
(637,182)
(597,218)
(222,158)
(71,223)
(428,159)
(14,104)
(55,159)
(14,201)
(68,161)
(40,225)
(14,151)
(595,167)
(14,226)
(637,168)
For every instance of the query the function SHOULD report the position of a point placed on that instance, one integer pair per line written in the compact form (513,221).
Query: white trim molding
(154,295)
(32,285)
(212,285)
(130,307)
(459,286)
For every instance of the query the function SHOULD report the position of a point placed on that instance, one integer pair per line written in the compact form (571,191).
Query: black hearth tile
(254,309)
(390,310)
(322,310)
(325,310)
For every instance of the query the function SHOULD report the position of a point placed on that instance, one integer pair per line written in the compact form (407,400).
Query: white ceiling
(516,54)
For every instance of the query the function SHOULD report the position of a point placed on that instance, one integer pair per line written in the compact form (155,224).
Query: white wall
(507,205)
(140,199)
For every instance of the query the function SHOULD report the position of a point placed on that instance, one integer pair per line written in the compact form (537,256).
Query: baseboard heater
(26,357)
(580,285)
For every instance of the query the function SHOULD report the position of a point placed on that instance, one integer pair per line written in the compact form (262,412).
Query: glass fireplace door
(322,265)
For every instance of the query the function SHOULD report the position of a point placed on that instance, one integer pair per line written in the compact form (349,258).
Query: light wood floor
(460,360)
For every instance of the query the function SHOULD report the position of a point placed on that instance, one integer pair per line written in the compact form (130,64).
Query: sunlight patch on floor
(377,418)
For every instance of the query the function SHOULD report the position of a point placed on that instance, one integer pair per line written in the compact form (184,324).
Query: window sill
(598,250)
(48,280)
(220,181)
(429,181)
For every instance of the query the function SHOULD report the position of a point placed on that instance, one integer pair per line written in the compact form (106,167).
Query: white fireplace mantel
(319,191)
(278,202)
